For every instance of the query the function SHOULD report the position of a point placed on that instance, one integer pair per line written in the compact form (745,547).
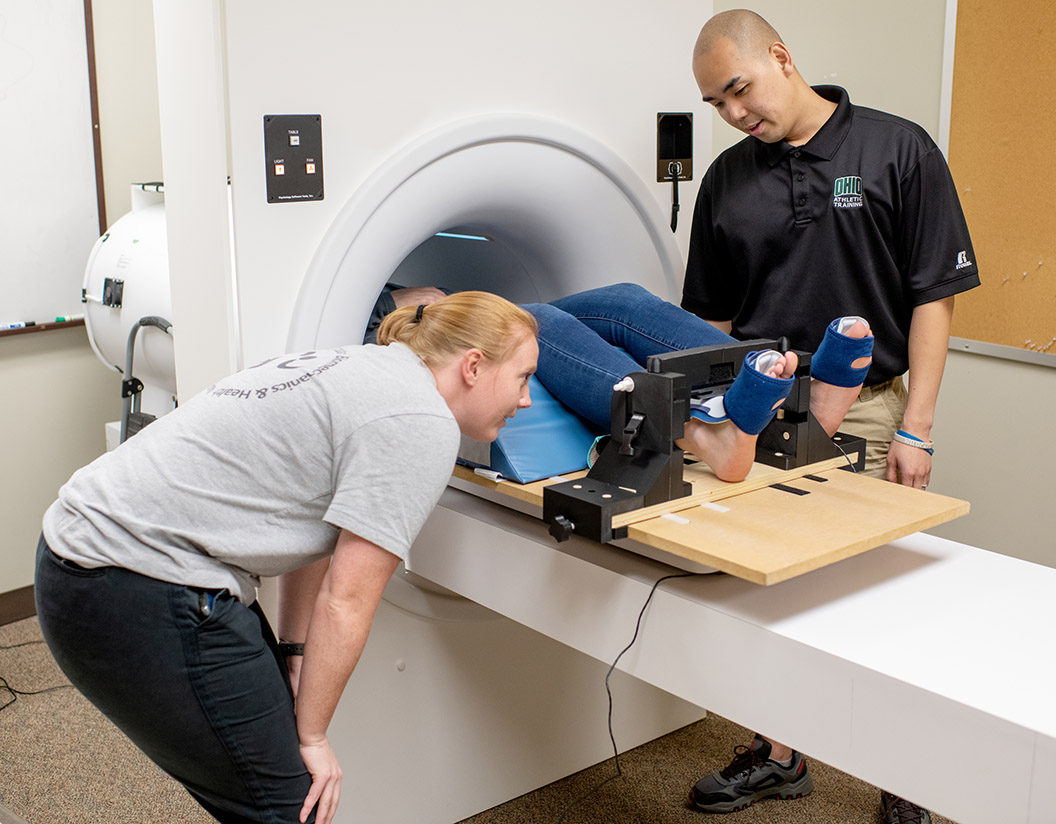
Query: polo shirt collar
(829,137)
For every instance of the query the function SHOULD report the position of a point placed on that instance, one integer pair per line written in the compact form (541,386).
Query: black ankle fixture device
(640,465)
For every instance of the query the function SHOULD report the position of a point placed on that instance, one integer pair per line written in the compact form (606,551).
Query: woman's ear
(472,360)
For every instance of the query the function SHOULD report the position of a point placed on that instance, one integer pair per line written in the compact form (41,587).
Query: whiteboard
(49,216)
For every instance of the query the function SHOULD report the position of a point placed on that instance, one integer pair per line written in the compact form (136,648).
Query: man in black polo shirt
(825,209)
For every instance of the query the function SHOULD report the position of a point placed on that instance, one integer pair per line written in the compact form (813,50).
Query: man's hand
(326,781)
(416,296)
(908,465)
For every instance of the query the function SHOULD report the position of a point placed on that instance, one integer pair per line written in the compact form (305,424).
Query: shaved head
(749,32)
(745,71)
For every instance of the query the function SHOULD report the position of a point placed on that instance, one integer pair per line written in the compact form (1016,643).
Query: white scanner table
(924,666)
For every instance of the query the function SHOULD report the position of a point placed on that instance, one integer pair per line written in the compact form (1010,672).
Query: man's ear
(780,53)
(472,360)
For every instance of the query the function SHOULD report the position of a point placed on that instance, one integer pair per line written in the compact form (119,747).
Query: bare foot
(830,403)
(722,446)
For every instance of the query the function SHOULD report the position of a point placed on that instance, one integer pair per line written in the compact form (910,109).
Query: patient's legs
(579,361)
(590,340)
(577,365)
(580,368)
(633,318)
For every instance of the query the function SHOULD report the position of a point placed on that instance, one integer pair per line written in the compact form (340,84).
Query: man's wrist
(288,649)
(903,437)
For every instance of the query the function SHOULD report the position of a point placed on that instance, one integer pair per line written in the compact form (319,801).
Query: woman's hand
(326,781)
(293,666)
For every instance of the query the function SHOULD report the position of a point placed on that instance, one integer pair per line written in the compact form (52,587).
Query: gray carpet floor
(61,762)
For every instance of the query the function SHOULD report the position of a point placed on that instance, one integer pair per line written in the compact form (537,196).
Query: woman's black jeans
(192,676)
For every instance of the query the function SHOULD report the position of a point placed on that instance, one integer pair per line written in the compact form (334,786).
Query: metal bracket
(131,386)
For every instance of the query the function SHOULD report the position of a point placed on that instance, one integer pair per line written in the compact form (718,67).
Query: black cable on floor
(15,693)
(12,692)
(608,690)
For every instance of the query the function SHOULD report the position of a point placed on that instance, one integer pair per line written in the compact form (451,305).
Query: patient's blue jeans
(590,340)
(193,677)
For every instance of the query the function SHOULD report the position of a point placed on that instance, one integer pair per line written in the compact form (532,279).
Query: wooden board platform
(756,530)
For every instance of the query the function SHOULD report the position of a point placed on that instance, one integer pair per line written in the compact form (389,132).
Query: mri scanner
(530,132)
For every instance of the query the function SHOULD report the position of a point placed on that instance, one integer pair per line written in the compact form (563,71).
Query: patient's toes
(859,329)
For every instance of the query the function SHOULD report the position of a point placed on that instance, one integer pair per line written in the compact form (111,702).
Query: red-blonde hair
(461,321)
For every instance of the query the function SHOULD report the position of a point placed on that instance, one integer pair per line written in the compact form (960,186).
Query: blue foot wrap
(832,362)
(752,399)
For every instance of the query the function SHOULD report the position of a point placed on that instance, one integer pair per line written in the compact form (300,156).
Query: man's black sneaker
(899,811)
(750,777)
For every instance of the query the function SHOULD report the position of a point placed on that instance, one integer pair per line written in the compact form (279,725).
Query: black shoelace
(906,812)
(744,758)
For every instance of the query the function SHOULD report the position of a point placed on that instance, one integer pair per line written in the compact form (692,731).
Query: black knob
(561,528)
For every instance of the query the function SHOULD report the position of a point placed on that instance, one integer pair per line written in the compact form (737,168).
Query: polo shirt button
(795,154)
(800,176)
(802,200)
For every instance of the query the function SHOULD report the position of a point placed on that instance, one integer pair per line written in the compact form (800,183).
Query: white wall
(888,56)
(127,79)
(994,448)
(56,394)
(56,398)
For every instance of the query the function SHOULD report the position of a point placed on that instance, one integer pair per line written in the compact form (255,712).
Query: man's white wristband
(914,441)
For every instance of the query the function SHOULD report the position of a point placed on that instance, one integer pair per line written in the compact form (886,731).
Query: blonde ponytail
(464,320)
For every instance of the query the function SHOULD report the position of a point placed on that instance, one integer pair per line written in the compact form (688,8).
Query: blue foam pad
(543,440)
(832,362)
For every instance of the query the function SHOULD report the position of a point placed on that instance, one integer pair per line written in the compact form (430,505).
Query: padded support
(544,440)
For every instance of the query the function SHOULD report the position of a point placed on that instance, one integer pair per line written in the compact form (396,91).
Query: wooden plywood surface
(759,532)
(769,535)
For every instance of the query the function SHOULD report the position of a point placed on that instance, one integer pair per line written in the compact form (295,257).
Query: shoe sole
(804,787)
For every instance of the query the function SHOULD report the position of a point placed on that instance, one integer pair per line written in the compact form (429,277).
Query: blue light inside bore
(462,237)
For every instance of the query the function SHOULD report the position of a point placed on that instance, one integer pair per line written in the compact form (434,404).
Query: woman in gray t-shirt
(298,467)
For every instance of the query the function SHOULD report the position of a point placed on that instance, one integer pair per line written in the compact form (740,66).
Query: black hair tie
(418,313)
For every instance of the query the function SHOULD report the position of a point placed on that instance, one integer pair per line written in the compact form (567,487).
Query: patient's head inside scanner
(467,257)
(454,260)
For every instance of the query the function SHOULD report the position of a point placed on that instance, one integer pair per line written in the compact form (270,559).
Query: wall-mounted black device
(674,153)
(293,152)
(674,146)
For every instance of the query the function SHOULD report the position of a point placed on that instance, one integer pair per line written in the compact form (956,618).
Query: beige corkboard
(1003,158)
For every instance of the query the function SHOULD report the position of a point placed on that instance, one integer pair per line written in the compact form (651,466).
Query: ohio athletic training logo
(847,193)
